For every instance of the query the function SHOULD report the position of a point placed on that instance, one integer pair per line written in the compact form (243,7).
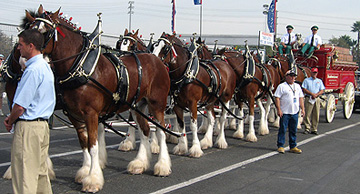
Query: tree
(6,44)
(343,41)
(356,50)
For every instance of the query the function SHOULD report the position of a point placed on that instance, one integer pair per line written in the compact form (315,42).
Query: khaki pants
(312,113)
(29,152)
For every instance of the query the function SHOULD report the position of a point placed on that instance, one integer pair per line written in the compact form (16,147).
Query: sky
(230,17)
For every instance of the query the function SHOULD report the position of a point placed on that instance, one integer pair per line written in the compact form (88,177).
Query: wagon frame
(337,71)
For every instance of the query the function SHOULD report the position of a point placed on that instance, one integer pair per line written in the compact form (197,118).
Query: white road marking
(243,163)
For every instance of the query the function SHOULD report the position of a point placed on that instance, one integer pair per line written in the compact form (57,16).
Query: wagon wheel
(348,100)
(330,108)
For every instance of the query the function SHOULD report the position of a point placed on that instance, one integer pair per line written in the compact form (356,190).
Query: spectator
(34,102)
(313,87)
(288,98)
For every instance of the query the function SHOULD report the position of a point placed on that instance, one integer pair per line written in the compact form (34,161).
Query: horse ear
(126,31)
(136,33)
(55,15)
(29,17)
(40,9)
(221,51)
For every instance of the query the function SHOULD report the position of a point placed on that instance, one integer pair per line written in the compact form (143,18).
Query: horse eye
(125,42)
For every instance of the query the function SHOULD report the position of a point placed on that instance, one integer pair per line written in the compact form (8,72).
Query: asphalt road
(330,163)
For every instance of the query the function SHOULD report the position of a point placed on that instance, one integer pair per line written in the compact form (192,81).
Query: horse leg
(239,133)
(163,165)
(195,150)
(220,140)
(207,142)
(232,121)
(154,145)
(251,135)
(129,143)
(300,120)
(175,128)
(204,125)
(142,160)
(182,147)
(94,181)
(102,146)
(271,115)
(263,128)
(82,136)
(276,123)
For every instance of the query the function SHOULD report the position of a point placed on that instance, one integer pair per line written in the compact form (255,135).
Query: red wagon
(337,71)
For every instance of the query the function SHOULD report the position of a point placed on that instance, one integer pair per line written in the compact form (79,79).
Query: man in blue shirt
(313,87)
(34,102)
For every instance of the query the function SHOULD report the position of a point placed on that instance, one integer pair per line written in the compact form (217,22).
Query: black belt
(37,119)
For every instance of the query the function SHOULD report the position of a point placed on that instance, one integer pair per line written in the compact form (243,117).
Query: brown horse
(101,94)
(130,42)
(251,87)
(228,76)
(194,83)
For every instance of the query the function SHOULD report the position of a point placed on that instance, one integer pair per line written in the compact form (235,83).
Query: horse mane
(25,22)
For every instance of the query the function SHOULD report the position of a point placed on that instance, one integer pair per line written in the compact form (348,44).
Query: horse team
(126,79)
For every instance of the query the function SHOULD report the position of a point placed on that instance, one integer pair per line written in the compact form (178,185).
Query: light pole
(131,7)
(265,12)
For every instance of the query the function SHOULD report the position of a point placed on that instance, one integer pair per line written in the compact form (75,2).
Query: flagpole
(200,18)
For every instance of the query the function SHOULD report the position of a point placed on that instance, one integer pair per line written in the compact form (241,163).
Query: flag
(197,2)
(271,16)
(173,16)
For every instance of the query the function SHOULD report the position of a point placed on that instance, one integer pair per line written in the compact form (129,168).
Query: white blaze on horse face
(22,62)
(125,45)
(158,47)
(42,28)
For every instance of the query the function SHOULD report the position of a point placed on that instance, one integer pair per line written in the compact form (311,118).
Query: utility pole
(131,7)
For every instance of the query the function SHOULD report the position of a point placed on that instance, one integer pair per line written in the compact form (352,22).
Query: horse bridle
(130,38)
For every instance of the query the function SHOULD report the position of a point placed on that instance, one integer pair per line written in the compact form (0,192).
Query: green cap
(314,27)
(289,27)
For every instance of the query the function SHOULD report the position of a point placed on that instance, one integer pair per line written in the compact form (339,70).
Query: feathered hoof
(238,135)
(93,183)
(155,148)
(206,143)
(126,146)
(221,144)
(180,150)
(7,174)
(264,132)
(137,167)
(251,138)
(162,168)
(195,152)
(82,173)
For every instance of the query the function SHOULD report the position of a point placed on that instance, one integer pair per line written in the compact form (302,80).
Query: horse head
(130,42)
(203,51)
(164,47)
(56,29)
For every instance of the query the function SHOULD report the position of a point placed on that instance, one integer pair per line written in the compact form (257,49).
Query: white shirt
(317,40)
(285,38)
(289,95)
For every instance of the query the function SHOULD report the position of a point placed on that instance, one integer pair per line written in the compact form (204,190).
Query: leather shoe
(295,150)
(281,150)
(306,132)
(314,132)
